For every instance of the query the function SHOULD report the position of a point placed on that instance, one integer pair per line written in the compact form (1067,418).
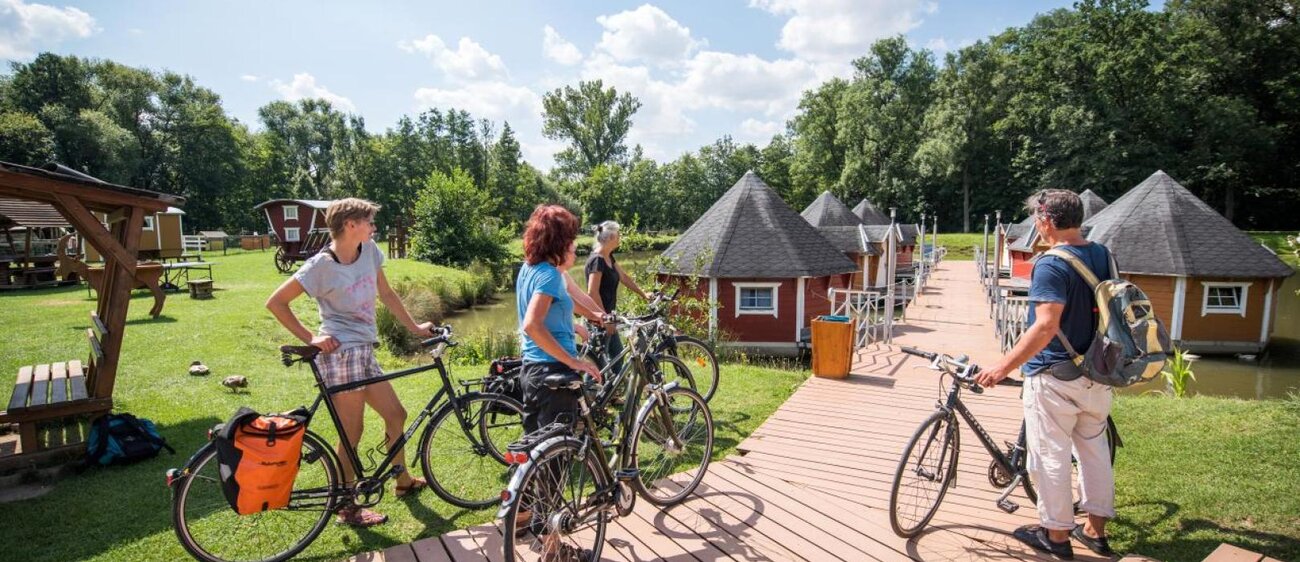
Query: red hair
(548,234)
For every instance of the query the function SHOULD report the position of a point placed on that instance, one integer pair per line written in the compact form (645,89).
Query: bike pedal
(1008,506)
(626,474)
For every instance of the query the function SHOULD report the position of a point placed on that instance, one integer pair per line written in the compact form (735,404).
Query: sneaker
(1099,545)
(1036,537)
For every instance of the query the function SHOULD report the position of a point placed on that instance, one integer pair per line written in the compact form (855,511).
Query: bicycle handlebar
(442,334)
(960,368)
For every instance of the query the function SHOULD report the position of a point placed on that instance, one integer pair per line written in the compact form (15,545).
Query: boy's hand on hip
(327,344)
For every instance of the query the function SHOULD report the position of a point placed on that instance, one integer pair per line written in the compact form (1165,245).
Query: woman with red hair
(546,306)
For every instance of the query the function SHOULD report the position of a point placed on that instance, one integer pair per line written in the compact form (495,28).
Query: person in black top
(604,275)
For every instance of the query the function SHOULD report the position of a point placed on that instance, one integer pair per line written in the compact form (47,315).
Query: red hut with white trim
(767,269)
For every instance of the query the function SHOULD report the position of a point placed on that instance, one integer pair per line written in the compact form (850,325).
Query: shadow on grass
(1194,539)
(108,507)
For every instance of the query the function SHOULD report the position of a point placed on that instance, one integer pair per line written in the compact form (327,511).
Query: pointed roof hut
(869,213)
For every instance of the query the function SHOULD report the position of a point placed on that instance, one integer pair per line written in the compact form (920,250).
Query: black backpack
(503,378)
(123,439)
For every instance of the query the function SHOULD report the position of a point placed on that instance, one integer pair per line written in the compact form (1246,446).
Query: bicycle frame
(954,404)
(380,472)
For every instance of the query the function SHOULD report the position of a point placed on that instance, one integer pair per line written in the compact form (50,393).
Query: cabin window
(1224,298)
(148,222)
(290,212)
(756,298)
(291,235)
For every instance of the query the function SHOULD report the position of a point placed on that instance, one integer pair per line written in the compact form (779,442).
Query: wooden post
(985,257)
(119,279)
(998,241)
(891,265)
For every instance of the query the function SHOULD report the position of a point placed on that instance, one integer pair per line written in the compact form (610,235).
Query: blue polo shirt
(1055,280)
(545,279)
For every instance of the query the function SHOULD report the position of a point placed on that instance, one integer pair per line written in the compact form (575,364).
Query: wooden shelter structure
(161,237)
(60,390)
(29,261)
(844,229)
(764,266)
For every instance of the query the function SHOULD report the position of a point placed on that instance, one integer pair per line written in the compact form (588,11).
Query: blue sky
(702,69)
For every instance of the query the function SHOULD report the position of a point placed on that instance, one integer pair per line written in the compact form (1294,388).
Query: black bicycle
(572,480)
(697,357)
(928,467)
(461,452)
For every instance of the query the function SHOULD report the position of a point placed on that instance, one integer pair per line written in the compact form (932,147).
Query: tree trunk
(965,198)
(1228,202)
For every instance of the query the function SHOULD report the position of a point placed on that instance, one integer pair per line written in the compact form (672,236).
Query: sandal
(357,516)
(416,485)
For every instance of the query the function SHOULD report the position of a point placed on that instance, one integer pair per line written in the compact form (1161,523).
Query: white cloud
(28,28)
(470,61)
(304,86)
(746,82)
(554,47)
(759,132)
(841,30)
(646,33)
(938,45)
(249,77)
(663,104)
(492,100)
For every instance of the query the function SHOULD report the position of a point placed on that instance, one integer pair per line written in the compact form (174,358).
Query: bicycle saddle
(570,381)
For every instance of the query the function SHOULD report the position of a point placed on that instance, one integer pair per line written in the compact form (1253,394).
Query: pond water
(499,316)
(1272,374)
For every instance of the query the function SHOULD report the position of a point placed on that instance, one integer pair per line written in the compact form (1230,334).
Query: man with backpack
(1064,409)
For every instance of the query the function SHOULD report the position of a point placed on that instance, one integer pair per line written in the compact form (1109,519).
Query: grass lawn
(123,513)
(1200,471)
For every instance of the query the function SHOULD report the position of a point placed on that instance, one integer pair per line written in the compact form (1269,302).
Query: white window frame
(1239,310)
(776,295)
(148,222)
(292,234)
(287,214)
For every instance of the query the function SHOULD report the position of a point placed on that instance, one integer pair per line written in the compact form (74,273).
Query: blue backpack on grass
(123,439)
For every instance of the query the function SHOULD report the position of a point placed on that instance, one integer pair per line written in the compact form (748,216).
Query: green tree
(24,139)
(594,120)
(313,137)
(454,223)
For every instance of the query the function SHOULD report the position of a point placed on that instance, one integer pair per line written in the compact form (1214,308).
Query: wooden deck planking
(813,482)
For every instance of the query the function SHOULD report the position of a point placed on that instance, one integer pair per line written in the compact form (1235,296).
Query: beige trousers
(1064,417)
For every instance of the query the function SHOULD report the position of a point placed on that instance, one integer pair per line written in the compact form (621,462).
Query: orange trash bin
(832,346)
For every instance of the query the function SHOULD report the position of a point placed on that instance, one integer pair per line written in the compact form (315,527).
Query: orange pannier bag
(258,457)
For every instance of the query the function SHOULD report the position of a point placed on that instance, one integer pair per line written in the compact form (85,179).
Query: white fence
(865,309)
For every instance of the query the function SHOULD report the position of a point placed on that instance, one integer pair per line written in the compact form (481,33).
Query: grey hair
(605,232)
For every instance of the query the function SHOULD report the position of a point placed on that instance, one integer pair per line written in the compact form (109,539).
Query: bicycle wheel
(211,531)
(545,520)
(672,369)
(924,474)
(699,358)
(465,465)
(672,452)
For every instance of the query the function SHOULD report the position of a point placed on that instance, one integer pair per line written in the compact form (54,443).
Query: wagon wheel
(283,263)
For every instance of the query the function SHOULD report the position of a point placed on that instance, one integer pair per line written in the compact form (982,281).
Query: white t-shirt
(345,294)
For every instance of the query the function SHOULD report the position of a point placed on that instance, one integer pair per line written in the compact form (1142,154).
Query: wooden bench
(200,288)
(47,396)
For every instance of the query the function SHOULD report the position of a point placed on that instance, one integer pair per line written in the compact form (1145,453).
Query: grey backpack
(1131,344)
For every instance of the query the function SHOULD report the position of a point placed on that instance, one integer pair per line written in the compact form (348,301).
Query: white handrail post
(891,273)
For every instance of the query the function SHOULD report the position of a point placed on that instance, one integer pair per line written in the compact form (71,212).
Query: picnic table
(175,273)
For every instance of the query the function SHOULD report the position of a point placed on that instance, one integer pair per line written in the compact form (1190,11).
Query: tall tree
(594,120)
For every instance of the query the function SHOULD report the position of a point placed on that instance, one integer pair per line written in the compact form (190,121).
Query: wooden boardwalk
(812,483)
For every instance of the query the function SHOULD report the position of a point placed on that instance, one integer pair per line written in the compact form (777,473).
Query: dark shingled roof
(848,239)
(1092,204)
(869,213)
(909,232)
(751,232)
(828,210)
(30,214)
(1161,228)
(1019,230)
